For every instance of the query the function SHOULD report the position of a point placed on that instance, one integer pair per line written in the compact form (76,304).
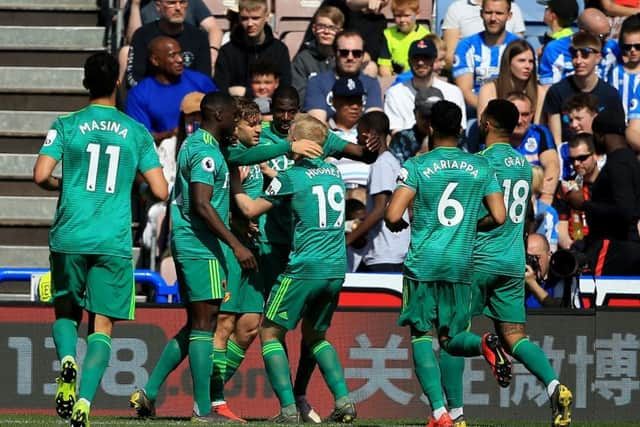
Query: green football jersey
(449,185)
(315,194)
(502,250)
(278,221)
(101,150)
(199,160)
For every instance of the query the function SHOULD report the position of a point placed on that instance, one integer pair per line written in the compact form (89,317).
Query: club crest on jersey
(208,164)
(531,145)
(634,104)
(51,136)
(456,61)
(274,187)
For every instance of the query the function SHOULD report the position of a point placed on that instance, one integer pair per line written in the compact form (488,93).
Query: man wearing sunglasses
(624,77)
(585,53)
(349,53)
(613,212)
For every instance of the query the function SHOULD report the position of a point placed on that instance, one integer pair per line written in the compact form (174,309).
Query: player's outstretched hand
(373,143)
(245,258)
(306,148)
(397,226)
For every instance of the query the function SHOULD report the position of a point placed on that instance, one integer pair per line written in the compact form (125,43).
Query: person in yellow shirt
(394,56)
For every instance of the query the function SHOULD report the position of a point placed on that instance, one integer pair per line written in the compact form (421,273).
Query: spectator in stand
(399,99)
(348,94)
(573,224)
(386,250)
(517,74)
(625,77)
(464,19)
(170,83)
(585,53)
(559,15)
(613,244)
(540,288)
(197,14)
(196,51)
(616,11)
(317,55)
(394,56)
(264,82)
(580,110)
(251,41)
(545,215)
(596,23)
(349,52)
(535,143)
(409,142)
(439,64)
(477,57)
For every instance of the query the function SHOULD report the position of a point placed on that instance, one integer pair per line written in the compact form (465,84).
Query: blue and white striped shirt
(473,56)
(627,86)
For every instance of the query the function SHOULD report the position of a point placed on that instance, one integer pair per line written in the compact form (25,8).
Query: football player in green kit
(499,270)
(310,284)
(101,149)
(446,186)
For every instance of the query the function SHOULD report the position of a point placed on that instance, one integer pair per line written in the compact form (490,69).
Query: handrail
(164,293)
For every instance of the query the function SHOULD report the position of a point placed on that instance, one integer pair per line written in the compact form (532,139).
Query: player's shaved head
(594,21)
(503,115)
(288,93)
(100,75)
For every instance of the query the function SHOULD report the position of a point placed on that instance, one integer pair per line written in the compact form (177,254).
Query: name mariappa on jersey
(107,125)
(450,164)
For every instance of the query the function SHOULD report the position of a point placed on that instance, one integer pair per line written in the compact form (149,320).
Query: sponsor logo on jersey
(51,136)
(208,164)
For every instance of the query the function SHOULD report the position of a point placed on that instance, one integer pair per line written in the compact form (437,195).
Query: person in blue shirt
(171,82)
(477,57)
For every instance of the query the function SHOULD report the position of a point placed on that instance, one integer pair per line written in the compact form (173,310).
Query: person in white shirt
(463,20)
(399,98)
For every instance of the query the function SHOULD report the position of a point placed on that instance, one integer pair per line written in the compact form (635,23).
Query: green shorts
(443,305)
(292,299)
(273,259)
(102,284)
(201,279)
(499,297)
(245,291)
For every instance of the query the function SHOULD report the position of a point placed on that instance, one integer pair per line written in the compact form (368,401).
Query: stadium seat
(293,40)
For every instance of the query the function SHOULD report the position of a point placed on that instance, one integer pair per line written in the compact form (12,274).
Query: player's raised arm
(157,183)
(494,203)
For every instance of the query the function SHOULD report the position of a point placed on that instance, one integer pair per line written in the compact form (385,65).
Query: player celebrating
(499,269)
(90,240)
(309,287)
(446,187)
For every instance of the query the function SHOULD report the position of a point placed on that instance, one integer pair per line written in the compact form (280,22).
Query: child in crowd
(394,56)
(264,82)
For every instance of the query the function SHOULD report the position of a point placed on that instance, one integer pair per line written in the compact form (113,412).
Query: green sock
(278,371)
(95,363)
(465,344)
(200,350)
(65,335)
(305,369)
(452,369)
(329,365)
(173,354)
(427,370)
(218,374)
(534,359)
(235,356)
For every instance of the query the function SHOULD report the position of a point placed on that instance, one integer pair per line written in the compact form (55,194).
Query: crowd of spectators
(577,95)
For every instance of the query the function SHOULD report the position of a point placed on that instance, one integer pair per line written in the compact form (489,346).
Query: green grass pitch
(46,421)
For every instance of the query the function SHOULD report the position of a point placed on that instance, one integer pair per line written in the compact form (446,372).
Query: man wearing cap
(613,244)
(399,99)
(408,142)
(349,54)
(170,83)
(477,57)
